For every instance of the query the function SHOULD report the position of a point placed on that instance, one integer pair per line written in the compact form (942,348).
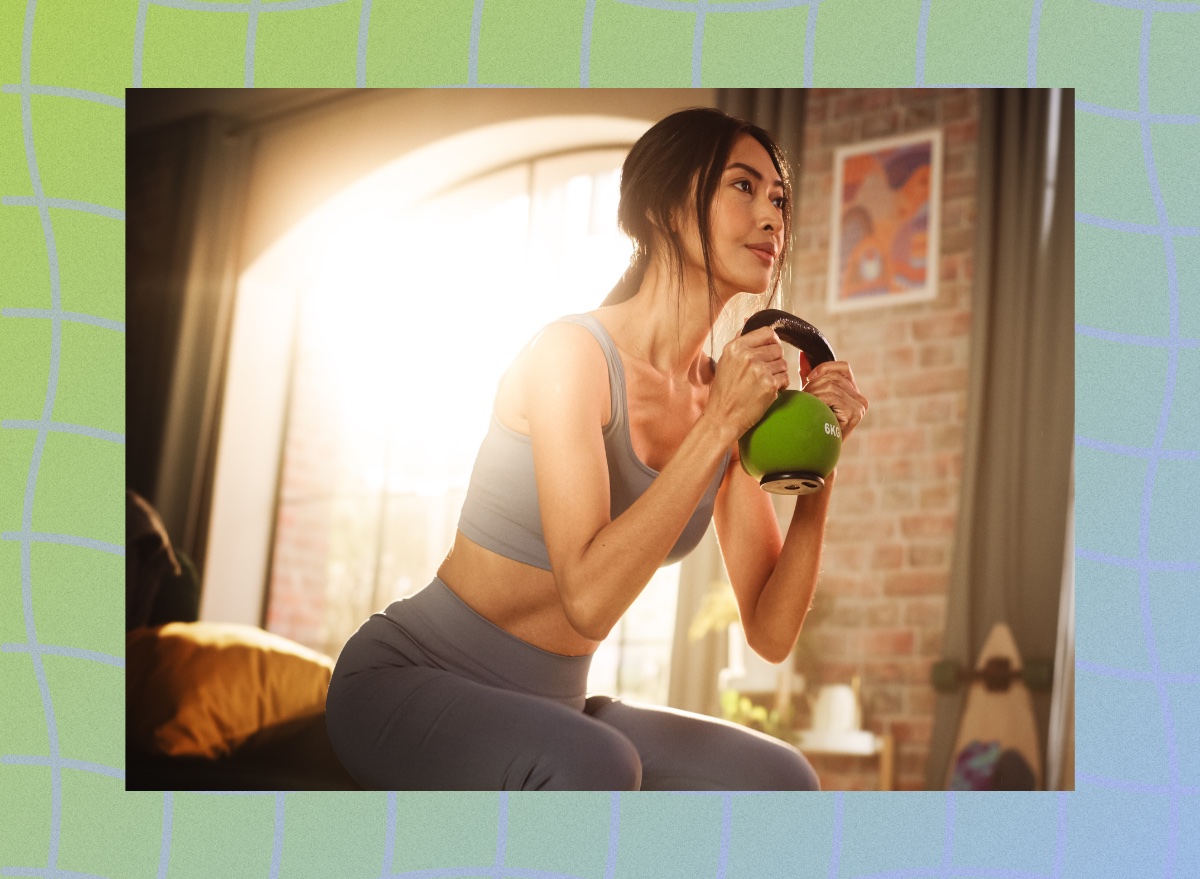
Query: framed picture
(886,216)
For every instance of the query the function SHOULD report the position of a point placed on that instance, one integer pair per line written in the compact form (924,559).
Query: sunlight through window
(406,325)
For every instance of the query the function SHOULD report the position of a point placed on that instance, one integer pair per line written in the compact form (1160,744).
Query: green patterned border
(64,65)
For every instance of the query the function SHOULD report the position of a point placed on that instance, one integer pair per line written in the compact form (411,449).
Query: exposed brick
(900,357)
(948,465)
(848,614)
(934,409)
(919,117)
(928,525)
(960,185)
(943,353)
(918,730)
(958,106)
(939,498)
(863,585)
(842,131)
(861,527)
(962,133)
(887,556)
(883,613)
(929,642)
(957,239)
(920,701)
(884,123)
(848,103)
(932,381)
(958,212)
(897,442)
(899,498)
(844,557)
(841,583)
(895,469)
(863,362)
(928,555)
(925,612)
(917,97)
(816,161)
(810,262)
(941,326)
(838,643)
(948,267)
(839,671)
(878,99)
(889,642)
(958,161)
(946,437)
(852,470)
(885,699)
(919,669)
(906,583)
(854,500)
(880,671)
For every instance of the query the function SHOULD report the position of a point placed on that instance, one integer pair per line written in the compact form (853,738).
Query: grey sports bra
(501,510)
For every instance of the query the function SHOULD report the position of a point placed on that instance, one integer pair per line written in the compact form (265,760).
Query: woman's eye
(740,183)
(779,201)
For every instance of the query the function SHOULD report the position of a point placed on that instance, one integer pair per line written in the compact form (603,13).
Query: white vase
(747,672)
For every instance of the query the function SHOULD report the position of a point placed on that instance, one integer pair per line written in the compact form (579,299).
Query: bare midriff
(521,599)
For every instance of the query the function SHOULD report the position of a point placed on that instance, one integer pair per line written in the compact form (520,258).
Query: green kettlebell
(796,443)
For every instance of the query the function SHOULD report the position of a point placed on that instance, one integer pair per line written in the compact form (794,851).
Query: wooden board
(1005,716)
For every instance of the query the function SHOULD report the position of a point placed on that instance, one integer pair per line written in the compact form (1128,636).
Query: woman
(613,443)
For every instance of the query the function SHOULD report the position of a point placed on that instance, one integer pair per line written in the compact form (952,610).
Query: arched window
(405,323)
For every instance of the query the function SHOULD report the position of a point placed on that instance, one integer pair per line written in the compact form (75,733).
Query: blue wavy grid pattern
(1116,824)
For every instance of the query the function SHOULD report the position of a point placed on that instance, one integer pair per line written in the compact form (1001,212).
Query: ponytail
(630,281)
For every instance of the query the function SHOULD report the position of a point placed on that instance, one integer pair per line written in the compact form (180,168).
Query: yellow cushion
(201,689)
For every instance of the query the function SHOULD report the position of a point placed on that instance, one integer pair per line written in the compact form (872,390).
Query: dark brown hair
(688,148)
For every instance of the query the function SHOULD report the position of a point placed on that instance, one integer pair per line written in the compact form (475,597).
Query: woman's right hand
(751,373)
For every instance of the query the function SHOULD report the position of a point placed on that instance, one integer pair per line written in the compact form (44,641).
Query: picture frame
(885,220)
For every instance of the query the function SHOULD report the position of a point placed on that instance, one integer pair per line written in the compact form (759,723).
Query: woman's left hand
(833,384)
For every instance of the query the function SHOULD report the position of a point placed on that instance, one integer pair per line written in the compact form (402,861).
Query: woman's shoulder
(564,357)
(567,338)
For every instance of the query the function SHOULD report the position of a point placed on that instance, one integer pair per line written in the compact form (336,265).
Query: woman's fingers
(751,374)
(833,383)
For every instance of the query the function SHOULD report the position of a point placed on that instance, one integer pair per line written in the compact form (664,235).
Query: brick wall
(296,597)
(894,511)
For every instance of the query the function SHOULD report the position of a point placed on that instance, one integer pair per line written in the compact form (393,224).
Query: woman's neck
(664,326)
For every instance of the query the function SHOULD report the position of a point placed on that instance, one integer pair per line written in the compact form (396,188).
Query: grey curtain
(695,664)
(1008,556)
(185,189)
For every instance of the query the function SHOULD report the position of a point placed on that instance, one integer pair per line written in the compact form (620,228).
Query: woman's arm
(601,564)
(774,577)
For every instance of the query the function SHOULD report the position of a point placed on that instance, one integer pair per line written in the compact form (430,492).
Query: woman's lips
(763,252)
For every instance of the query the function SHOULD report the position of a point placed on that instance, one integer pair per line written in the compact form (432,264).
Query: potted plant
(747,677)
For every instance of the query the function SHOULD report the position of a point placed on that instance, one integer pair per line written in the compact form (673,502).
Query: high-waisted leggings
(429,695)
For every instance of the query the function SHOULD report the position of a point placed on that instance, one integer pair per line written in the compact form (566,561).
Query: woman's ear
(657,227)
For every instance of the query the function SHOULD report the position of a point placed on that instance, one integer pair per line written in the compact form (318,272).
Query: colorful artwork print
(884,223)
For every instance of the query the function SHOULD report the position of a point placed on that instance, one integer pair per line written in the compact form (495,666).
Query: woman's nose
(769,218)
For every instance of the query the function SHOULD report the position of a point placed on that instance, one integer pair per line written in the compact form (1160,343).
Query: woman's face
(745,224)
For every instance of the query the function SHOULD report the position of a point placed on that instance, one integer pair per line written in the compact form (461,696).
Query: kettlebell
(796,443)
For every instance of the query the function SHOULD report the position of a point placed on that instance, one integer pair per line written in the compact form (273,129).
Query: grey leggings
(429,695)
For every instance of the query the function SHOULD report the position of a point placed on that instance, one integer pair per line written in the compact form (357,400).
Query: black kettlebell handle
(795,331)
